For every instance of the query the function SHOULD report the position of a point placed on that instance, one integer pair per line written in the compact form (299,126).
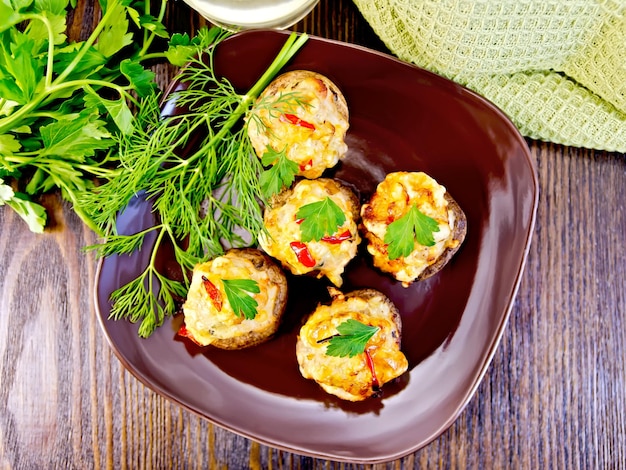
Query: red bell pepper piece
(185,333)
(296,121)
(214,293)
(370,365)
(337,239)
(303,254)
(306,166)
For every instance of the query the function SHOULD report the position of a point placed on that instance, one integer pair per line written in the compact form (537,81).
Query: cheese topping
(205,321)
(283,228)
(393,198)
(311,126)
(350,377)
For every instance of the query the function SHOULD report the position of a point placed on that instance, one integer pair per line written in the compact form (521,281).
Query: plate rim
(490,348)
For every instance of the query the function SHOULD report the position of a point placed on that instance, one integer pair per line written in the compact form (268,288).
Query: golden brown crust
(458,234)
(261,262)
(352,377)
(220,332)
(331,258)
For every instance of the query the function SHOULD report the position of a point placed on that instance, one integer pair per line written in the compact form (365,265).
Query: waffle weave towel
(557,68)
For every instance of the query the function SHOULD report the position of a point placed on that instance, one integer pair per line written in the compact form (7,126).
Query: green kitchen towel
(557,68)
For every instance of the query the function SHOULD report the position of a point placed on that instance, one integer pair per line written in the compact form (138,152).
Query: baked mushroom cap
(284,241)
(209,316)
(362,375)
(305,114)
(394,197)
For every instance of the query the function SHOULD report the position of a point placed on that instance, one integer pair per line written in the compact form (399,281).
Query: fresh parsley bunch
(76,114)
(61,102)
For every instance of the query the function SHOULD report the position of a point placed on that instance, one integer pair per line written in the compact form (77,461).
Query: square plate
(402,118)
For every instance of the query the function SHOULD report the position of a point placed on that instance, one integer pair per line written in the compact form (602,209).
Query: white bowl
(253,14)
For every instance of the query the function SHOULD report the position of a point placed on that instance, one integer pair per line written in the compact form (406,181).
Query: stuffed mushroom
(352,346)
(313,228)
(413,226)
(235,301)
(304,114)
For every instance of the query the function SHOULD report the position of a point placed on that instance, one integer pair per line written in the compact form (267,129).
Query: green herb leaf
(20,65)
(32,213)
(89,66)
(55,16)
(142,80)
(117,109)
(9,15)
(238,294)
(280,175)
(180,49)
(114,36)
(6,192)
(351,340)
(153,24)
(319,219)
(404,232)
(56,7)
(9,144)
(74,136)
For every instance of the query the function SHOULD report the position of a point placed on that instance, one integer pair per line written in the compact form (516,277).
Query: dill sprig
(210,198)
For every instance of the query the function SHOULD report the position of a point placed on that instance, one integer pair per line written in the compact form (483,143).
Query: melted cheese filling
(283,228)
(394,196)
(313,149)
(205,322)
(350,377)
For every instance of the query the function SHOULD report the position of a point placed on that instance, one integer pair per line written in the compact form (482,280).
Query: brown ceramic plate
(402,118)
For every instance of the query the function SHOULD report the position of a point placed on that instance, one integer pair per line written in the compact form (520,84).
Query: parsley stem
(78,84)
(110,10)
(50,64)
(49,94)
(328,338)
(35,158)
(152,55)
(50,59)
(150,35)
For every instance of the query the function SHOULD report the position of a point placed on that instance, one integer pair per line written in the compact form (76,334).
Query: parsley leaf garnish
(404,232)
(33,213)
(319,219)
(238,294)
(181,46)
(351,340)
(280,175)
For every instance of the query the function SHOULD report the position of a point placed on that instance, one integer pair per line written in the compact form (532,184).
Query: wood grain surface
(553,397)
